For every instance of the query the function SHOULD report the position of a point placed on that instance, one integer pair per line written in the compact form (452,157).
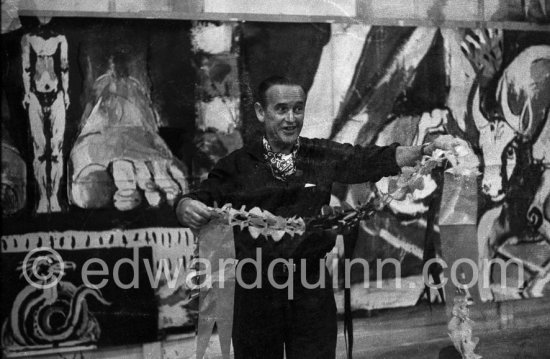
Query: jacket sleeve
(349,164)
(214,188)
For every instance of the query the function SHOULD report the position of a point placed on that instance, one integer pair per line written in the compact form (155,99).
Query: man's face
(282,116)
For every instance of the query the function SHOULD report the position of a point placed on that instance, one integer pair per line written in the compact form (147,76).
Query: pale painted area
(492,8)
(167,237)
(46,103)
(460,75)
(286,7)
(221,114)
(526,78)
(143,5)
(119,136)
(173,316)
(333,77)
(449,10)
(348,134)
(412,53)
(64,5)
(389,293)
(211,38)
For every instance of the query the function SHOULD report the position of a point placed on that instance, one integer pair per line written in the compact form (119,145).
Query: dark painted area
(132,315)
(428,89)
(380,47)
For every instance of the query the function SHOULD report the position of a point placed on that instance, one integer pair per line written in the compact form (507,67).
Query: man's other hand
(456,145)
(192,213)
(409,155)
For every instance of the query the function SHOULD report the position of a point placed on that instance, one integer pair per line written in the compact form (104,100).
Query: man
(289,176)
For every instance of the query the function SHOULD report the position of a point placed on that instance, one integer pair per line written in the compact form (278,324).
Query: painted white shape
(63,5)
(494,136)
(487,231)
(220,114)
(286,7)
(449,10)
(142,5)
(127,196)
(212,39)
(492,8)
(541,152)
(493,139)
(319,111)
(175,238)
(383,294)
(173,316)
(518,80)
(40,80)
(541,148)
(401,243)
(164,180)
(431,123)
(348,134)
(460,75)
(123,132)
(10,16)
(410,55)
(333,78)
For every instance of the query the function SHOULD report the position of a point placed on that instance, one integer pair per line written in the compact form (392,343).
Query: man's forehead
(285,94)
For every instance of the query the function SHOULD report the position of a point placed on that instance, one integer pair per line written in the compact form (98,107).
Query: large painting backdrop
(377,85)
(106,122)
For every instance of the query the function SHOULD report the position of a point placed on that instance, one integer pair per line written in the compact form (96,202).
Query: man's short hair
(268,83)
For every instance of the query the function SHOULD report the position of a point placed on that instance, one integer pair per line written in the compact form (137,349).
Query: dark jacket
(245,178)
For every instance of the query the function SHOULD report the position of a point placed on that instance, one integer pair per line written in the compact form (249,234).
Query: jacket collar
(256,148)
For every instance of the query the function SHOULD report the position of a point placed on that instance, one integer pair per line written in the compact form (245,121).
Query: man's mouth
(289,129)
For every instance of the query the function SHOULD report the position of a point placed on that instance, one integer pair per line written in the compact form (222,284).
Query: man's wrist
(426,149)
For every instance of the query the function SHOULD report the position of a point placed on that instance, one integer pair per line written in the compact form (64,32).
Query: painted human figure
(46,82)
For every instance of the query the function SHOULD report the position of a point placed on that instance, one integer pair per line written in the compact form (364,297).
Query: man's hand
(456,145)
(192,213)
(409,155)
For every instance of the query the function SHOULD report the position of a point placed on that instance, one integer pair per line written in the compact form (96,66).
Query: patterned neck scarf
(282,165)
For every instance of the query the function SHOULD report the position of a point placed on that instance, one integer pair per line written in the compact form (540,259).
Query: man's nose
(291,117)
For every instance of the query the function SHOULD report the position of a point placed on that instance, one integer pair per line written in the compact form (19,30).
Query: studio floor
(406,342)
(503,344)
(515,329)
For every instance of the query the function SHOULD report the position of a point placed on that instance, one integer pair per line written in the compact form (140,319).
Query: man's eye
(280,109)
(299,109)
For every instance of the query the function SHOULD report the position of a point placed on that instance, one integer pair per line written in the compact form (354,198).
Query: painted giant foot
(119,157)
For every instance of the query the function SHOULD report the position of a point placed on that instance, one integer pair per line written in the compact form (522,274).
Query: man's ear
(259,111)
